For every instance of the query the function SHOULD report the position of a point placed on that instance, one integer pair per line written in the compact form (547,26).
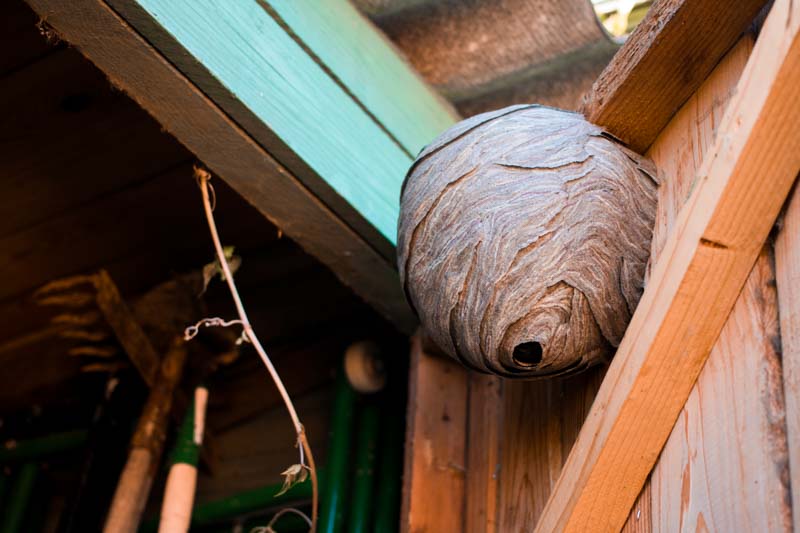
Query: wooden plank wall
(725,465)
(433,480)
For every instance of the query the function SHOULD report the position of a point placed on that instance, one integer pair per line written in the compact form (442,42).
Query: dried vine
(202,176)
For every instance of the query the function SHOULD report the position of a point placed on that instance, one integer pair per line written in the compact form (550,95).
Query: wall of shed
(726,465)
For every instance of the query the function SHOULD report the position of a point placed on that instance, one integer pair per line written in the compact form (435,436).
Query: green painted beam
(301,106)
(315,84)
(368,65)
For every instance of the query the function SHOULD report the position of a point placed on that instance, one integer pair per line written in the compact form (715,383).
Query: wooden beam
(435,462)
(705,261)
(483,452)
(724,465)
(367,66)
(663,62)
(235,142)
(126,328)
(311,87)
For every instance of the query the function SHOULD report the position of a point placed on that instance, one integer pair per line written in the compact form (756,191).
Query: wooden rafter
(733,205)
(662,64)
(314,127)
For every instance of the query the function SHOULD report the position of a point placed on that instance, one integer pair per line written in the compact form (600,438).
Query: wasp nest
(523,240)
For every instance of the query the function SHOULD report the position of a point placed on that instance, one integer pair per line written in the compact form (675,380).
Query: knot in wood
(523,239)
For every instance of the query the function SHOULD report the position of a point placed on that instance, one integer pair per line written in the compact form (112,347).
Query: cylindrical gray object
(523,239)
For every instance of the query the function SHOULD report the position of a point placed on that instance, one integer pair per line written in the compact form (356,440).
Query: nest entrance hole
(527,354)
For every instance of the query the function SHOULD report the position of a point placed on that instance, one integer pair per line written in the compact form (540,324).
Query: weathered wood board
(787,267)
(435,461)
(484,421)
(663,62)
(723,466)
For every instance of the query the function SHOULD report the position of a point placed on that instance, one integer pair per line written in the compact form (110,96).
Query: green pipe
(28,449)
(248,502)
(333,492)
(390,467)
(387,500)
(363,490)
(14,512)
(242,503)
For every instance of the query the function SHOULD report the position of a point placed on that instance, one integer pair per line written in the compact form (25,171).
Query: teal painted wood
(250,55)
(369,66)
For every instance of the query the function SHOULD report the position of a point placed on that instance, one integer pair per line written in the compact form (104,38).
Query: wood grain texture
(435,461)
(694,285)
(678,153)
(640,519)
(483,452)
(523,239)
(289,102)
(367,64)
(134,65)
(662,63)
(787,267)
(84,128)
(540,422)
(724,464)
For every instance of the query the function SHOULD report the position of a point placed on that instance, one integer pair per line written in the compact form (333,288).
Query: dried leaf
(215,268)
(293,475)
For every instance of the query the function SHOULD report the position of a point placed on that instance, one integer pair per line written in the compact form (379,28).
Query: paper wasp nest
(523,239)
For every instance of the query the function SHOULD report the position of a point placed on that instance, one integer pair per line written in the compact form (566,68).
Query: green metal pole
(386,518)
(14,512)
(42,446)
(363,489)
(242,503)
(332,511)
(248,502)
(390,471)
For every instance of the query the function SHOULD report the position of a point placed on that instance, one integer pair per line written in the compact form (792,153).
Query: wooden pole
(176,510)
(146,445)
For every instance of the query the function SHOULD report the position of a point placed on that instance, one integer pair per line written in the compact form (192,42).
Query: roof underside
(486,54)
